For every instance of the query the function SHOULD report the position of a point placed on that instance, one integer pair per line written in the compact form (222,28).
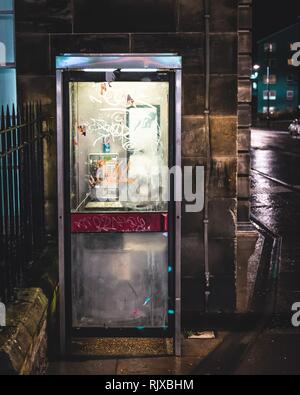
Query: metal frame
(178,214)
(73,332)
(61,209)
(97,63)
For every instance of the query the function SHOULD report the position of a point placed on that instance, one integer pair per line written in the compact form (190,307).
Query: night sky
(273,15)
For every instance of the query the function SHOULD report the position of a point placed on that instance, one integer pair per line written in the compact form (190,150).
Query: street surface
(276,203)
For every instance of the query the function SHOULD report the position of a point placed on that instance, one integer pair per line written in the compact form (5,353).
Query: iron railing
(22,234)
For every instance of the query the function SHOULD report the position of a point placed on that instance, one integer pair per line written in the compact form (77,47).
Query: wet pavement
(277,155)
(277,349)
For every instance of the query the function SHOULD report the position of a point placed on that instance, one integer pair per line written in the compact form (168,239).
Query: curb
(225,359)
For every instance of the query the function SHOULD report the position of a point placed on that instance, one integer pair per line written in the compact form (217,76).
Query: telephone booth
(119,131)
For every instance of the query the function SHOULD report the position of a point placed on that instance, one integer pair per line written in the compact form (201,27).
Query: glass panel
(7,54)
(8,95)
(6,5)
(120,280)
(119,146)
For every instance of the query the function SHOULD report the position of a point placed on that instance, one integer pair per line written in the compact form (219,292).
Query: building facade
(278,79)
(49,28)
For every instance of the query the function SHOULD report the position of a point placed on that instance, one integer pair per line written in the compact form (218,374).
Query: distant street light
(256,67)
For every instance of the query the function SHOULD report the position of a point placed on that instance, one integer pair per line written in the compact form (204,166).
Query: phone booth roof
(118,61)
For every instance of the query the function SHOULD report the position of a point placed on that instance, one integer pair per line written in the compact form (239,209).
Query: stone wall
(32,320)
(244,107)
(23,343)
(48,28)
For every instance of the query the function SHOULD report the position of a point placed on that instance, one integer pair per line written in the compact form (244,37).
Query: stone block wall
(23,343)
(48,28)
(244,107)
(32,321)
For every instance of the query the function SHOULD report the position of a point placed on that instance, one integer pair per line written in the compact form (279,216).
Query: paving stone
(158,366)
(82,368)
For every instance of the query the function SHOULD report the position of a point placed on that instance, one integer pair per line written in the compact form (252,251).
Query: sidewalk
(194,352)
(276,350)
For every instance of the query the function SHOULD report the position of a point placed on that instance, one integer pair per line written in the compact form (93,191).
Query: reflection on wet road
(276,154)
(276,205)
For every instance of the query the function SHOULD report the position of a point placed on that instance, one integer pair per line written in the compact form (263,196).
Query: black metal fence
(22,227)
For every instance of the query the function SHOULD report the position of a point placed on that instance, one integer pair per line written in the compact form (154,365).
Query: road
(276,181)
(276,154)
(276,202)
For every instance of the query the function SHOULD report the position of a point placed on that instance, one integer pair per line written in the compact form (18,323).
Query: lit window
(290,95)
(271,95)
(270,47)
(272,110)
(272,79)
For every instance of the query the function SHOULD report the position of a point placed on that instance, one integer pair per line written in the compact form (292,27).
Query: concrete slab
(273,355)
(82,368)
(201,348)
(157,366)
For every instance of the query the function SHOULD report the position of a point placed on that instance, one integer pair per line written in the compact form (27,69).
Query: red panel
(119,223)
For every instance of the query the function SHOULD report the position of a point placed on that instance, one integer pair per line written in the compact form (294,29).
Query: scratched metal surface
(120,280)
(73,61)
